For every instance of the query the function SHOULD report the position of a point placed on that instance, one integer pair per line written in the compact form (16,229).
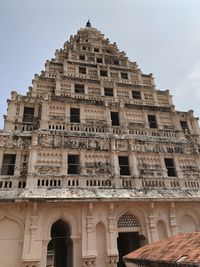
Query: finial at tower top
(88,24)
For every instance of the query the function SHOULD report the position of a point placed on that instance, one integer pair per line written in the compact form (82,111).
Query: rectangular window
(79,88)
(99,60)
(74,115)
(169,164)
(84,48)
(184,125)
(73,164)
(8,165)
(124,165)
(96,50)
(104,73)
(28,114)
(116,62)
(82,57)
(82,70)
(124,75)
(152,121)
(136,95)
(108,91)
(115,118)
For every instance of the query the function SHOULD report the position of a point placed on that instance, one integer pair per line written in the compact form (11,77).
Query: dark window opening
(152,121)
(99,60)
(124,165)
(184,125)
(28,114)
(115,118)
(169,164)
(84,48)
(82,57)
(74,115)
(124,75)
(136,95)
(79,88)
(96,50)
(73,164)
(116,62)
(8,165)
(104,73)
(82,70)
(108,51)
(108,91)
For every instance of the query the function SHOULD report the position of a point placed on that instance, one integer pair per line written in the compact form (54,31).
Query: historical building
(94,161)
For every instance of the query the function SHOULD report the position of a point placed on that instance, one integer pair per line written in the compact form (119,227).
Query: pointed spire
(88,24)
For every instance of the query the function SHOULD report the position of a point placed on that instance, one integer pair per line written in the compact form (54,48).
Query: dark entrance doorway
(59,250)
(126,242)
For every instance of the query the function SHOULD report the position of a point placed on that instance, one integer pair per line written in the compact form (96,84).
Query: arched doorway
(129,238)
(59,250)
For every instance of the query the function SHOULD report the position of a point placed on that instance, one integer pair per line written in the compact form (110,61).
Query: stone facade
(94,161)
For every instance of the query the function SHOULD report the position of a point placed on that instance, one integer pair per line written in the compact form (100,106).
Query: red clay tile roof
(184,248)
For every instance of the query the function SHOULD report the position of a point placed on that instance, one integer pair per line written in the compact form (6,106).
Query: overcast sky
(162,36)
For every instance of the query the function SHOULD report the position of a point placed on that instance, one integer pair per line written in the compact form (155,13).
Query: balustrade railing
(77,128)
(9,183)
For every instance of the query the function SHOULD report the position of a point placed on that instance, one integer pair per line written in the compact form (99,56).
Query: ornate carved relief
(14,141)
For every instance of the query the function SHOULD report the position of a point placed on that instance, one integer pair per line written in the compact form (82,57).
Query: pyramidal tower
(95,161)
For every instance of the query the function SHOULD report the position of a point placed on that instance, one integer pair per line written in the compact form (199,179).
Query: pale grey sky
(162,36)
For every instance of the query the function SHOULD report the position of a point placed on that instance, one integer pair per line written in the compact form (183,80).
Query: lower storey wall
(95,233)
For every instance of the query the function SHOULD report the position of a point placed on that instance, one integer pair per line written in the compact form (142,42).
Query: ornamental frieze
(13,141)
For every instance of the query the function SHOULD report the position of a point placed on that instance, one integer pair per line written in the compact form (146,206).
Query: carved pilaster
(172,219)
(91,246)
(112,231)
(17,163)
(152,224)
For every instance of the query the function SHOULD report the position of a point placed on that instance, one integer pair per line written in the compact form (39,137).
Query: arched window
(127,220)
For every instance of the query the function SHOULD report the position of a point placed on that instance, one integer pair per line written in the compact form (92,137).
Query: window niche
(96,50)
(124,75)
(8,165)
(79,88)
(82,57)
(28,115)
(169,164)
(74,115)
(82,70)
(99,60)
(108,91)
(115,118)
(184,126)
(152,121)
(124,165)
(73,164)
(116,62)
(103,73)
(136,95)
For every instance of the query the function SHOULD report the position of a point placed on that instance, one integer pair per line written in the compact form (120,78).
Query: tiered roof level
(94,126)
